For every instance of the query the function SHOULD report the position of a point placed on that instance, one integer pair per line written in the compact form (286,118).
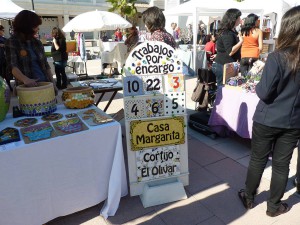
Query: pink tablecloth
(233,111)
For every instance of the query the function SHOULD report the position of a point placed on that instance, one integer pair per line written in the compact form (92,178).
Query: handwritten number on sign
(155,83)
(134,85)
(134,109)
(175,104)
(176,82)
(155,107)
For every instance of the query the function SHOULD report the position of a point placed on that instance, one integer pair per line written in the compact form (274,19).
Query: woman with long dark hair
(155,22)
(252,45)
(276,121)
(229,42)
(60,57)
(25,55)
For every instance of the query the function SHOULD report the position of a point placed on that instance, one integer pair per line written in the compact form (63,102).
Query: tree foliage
(126,8)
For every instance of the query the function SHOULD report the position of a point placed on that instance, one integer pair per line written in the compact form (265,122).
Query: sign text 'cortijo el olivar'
(159,132)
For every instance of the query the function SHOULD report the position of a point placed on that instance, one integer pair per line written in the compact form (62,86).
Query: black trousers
(61,77)
(283,142)
(246,64)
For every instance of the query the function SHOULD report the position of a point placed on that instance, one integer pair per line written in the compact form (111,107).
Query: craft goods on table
(37,132)
(9,135)
(37,101)
(25,122)
(52,117)
(4,98)
(94,117)
(69,126)
(78,97)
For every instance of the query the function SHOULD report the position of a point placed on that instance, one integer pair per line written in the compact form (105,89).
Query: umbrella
(8,9)
(96,21)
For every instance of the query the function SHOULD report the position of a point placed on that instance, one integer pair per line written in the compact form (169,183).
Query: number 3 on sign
(174,83)
(133,86)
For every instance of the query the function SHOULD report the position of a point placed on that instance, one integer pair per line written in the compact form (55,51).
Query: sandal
(248,204)
(283,208)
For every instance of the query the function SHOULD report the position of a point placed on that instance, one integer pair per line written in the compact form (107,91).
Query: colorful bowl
(78,97)
(37,101)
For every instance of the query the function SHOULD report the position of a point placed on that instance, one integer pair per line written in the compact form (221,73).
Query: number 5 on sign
(133,86)
(174,83)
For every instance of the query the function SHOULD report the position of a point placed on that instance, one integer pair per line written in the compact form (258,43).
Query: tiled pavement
(217,171)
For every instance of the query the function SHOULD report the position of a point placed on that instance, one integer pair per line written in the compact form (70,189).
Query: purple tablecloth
(233,111)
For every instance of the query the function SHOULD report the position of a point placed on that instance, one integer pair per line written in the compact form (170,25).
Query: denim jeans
(246,64)
(218,71)
(283,141)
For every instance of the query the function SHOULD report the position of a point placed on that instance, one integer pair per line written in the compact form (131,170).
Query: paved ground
(217,171)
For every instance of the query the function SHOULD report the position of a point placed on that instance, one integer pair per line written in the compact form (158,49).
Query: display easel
(155,119)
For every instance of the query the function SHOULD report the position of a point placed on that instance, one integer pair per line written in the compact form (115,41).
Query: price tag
(174,103)
(174,82)
(134,108)
(154,106)
(133,86)
(153,84)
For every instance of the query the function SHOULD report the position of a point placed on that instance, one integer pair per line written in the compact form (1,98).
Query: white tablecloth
(59,176)
(118,54)
(108,46)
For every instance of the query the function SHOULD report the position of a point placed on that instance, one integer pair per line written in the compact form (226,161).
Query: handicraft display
(37,132)
(69,126)
(9,135)
(4,98)
(25,122)
(78,97)
(157,163)
(37,101)
(155,114)
(93,117)
(52,117)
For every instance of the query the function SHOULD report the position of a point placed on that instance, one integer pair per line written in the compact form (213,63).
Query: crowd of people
(276,126)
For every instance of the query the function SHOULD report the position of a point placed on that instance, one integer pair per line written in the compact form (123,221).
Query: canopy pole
(195,29)
(32,5)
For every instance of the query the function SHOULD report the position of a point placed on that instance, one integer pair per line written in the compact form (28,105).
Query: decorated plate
(69,126)
(25,122)
(37,132)
(9,135)
(52,117)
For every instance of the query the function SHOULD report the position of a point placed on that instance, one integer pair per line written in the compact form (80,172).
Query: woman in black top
(229,42)
(276,121)
(60,57)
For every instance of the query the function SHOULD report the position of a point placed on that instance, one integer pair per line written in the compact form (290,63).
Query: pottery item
(37,101)
(4,98)
(78,97)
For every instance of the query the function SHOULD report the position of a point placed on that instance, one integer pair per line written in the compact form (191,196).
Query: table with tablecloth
(233,111)
(62,175)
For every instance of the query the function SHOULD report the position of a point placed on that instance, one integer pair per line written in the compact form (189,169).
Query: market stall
(59,165)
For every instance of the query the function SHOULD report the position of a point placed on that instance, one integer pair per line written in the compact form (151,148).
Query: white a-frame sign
(155,114)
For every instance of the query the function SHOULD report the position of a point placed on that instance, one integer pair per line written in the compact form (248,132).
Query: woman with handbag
(60,57)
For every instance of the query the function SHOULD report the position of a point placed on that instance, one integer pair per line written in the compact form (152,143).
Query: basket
(37,101)
(78,97)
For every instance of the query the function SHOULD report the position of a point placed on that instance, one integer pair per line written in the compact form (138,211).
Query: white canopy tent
(196,8)
(8,9)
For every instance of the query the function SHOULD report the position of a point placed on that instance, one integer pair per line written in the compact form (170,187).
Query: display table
(106,85)
(108,46)
(233,111)
(62,175)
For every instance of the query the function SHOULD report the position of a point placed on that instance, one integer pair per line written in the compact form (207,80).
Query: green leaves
(126,8)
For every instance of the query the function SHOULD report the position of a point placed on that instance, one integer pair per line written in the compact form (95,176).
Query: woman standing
(277,117)
(252,45)
(60,57)
(229,42)
(155,21)
(25,55)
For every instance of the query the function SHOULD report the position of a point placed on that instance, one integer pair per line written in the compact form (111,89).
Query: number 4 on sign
(134,108)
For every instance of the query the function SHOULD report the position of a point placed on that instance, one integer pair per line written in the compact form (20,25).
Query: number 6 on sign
(174,83)
(155,106)
(133,85)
